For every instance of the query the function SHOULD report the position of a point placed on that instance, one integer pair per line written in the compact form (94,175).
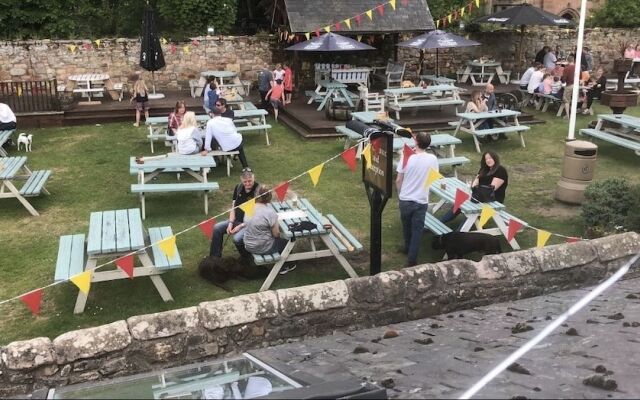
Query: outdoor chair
(392,74)
(370,101)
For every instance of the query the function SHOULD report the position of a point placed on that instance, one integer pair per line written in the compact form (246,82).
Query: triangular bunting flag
(433,176)
(366,154)
(444,22)
(173,49)
(168,246)
(327,28)
(87,46)
(281,190)
(307,35)
(126,264)
(315,172)
(514,227)
(486,214)
(349,157)
(195,42)
(449,17)
(461,197)
(207,227)
(317,32)
(358,18)
(406,153)
(438,24)
(462,12)
(82,281)
(543,236)
(380,9)
(405,2)
(376,144)
(163,40)
(477,3)
(72,48)
(249,207)
(392,3)
(347,22)
(572,239)
(186,49)
(370,14)
(338,26)
(97,42)
(33,300)
(359,37)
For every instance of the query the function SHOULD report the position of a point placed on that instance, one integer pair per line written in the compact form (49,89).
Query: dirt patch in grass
(525,168)
(557,210)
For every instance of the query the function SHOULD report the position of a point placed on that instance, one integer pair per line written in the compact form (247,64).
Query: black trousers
(7,126)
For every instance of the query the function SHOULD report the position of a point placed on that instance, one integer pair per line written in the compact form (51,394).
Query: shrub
(607,206)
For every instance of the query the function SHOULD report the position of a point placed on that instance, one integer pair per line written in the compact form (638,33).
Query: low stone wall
(213,329)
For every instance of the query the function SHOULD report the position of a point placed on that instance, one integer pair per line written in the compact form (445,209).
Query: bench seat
(433,224)
(228,156)
(247,105)
(349,133)
(35,183)
(249,128)
(70,257)
(453,161)
(611,138)
(266,258)
(160,260)
(204,187)
(503,129)
(4,137)
(85,90)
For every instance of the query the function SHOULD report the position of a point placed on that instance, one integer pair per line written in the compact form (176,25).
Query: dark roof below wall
(309,15)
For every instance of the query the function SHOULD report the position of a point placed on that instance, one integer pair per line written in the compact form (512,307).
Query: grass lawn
(91,173)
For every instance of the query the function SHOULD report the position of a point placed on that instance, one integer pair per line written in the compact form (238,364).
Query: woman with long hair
(141,96)
(189,136)
(175,117)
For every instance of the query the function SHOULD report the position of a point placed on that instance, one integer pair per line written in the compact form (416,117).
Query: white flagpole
(576,75)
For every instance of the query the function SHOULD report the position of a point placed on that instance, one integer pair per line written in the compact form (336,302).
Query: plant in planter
(619,99)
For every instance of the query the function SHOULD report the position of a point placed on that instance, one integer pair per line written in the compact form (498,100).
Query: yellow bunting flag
(315,172)
(82,281)
(477,3)
(327,28)
(186,49)
(168,246)
(307,35)
(347,22)
(432,176)
(393,4)
(97,42)
(359,37)
(249,207)
(462,11)
(72,48)
(19,91)
(438,24)
(543,236)
(163,40)
(366,153)
(449,17)
(486,214)
(370,15)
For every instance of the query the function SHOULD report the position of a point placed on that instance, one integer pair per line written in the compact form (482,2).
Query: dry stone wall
(213,329)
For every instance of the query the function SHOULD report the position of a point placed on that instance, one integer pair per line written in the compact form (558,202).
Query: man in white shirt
(7,118)
(224,131)
(550,61)
(414,194)
(524,81)
(536,79)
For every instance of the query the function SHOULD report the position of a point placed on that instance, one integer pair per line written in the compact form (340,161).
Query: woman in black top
(597,85)
(491,173)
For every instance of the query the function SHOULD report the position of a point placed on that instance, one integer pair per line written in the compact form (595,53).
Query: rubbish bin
(577,171)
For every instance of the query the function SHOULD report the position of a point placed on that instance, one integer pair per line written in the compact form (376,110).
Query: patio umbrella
(436,40)
(523,15)
(151,57)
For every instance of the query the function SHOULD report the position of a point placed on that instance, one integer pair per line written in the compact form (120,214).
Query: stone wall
(213,329)
(48,59)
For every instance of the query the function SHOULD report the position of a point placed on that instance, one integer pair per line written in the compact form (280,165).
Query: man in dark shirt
(227,112)
(235,224)
(540,55)
(265,81)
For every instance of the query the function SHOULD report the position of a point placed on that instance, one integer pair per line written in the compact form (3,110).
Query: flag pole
(576,75)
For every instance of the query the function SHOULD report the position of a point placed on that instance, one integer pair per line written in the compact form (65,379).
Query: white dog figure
(26,140)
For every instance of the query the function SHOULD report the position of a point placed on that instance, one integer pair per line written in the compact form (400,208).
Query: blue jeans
(219,230)
(412,217)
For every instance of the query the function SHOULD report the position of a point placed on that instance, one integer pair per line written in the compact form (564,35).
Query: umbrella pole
(522,28)
(437,63)
(421,61)
(153,81)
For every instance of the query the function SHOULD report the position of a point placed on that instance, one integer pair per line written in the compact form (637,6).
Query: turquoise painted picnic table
(219,75)
(331,88)
(439,96)
(194,165)
(625,133)
(470,121)
(438,80)
(14,169)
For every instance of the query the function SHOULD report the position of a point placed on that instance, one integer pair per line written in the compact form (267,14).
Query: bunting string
(456,14)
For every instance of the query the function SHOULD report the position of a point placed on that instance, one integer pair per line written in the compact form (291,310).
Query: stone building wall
(48,59)
(214,329)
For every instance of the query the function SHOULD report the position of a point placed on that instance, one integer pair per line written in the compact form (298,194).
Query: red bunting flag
(281,190)
(33,300)
(461,197)
(126,264)
(338,26)
(376,144)
(405,2)
(173,49)
(358,18)
(470,6)
(317,32)
(195,42)
(380,9)
(207,227)
(87,46)
(406,153)
(514,227)
(349,157)
(572,239)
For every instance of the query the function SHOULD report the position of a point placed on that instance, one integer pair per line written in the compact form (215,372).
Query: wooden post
(396,37)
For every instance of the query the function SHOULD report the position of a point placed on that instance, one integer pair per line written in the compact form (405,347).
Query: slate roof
(309,15)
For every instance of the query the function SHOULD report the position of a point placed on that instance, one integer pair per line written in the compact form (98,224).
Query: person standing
(224,131)
(276,97)
(414,194)
(540,55)
(7,118)
(288,83)
(244,191)
(141,96)
(550,61)
(265,80)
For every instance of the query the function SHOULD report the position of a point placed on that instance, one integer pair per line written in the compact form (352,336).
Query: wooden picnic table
(488,70)
(14,169)
(332,89)
(88,85)
(335,237)
(432,96)
(499,117)
(4,137)
(438,80)
(112,234)
(620,129)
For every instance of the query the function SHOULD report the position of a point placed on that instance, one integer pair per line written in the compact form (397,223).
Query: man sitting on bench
(224,131)
(7,118)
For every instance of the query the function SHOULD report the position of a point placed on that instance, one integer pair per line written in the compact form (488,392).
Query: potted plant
(619,99)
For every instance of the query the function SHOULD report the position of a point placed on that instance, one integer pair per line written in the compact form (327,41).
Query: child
(141,95)
(212,98)
(546,84)
(278,73)
(275,95)
(288,83)
(556,87)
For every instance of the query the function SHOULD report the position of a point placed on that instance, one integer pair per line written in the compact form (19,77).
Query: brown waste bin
(577,171)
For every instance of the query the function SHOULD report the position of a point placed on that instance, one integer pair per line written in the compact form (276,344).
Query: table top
(419,90)
(437,79)
(489,114)
(325,83)
(483,64)
(165,119)
(218,74)
(235,99)
(622,119)
(9,166)
(311,215)
(369,116)
(437,140)
(448,193)
(171,161)
(249,113)
(89,77)
(116,231)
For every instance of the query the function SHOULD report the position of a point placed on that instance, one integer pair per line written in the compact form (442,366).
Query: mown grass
(90,166)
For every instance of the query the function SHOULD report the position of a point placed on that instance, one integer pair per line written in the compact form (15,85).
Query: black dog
(457,244)
(219,270)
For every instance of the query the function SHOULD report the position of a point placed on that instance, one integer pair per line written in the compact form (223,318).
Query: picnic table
(14,169)
(413,97)
(4,137)
(88,85)
(445,190)
(113,234)
(158,128)
(437,80)
(620,129)
(219,75)
(332,89)
(485,71)
(499,117)
(196,166)
(335,237)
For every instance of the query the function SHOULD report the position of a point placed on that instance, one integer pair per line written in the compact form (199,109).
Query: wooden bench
(392,74)
(4,138)
(71,262)
(228,156)
(196,88)
(160,259)
(119,88)
(35,183)
(397,107)
(545,100)
(247,105)
(433,224)
(611,138)
(502,129)
(204,187)
(251,128)
(350,135)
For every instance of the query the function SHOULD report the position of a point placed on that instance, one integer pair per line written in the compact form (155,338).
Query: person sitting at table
(526,77)
(235,225)
(188,135)
(595,87)
(556,87)
(535,80)
(7,118)
(545,85)
(175,117)
(478,104)
(490,96)
(550,60)
(540,55)
(141,96)
(225,134)
(227,112)
(211,97)
(629,52)
(276,97)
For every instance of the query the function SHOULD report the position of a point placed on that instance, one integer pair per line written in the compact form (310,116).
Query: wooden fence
(30,96)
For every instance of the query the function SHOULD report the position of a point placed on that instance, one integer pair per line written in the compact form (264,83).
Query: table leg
(466,74)
(81,300)
(275,270)
(336,253)
(473,133)
(346,96)
(317,91)
(15,193)
(505,230)
(155,279)
(501,77)
(469,222)
(324,100)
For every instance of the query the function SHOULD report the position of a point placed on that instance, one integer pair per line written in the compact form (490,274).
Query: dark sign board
(379,174)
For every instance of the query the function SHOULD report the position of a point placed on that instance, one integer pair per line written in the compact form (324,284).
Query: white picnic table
(330,89)
(470,121)
(432,96)
(621,129)
(438,80)
(487,71)
(88,85)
